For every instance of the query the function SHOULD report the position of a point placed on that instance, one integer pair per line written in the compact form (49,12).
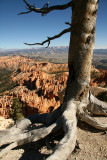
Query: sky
(16,29)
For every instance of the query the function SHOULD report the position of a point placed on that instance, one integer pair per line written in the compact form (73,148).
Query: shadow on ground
(34,151)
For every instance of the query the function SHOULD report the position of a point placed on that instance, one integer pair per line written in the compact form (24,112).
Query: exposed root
(67,144)
(24,123)
(11,146)
(12,138)
(91,121)
(97,107)
(69,121)
(9,131)
(17,131)
(64,117)
(20,127)
(32,136)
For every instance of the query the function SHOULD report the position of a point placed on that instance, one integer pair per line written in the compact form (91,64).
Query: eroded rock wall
(41,85)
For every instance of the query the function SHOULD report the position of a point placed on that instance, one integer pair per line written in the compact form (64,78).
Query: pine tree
(16,112)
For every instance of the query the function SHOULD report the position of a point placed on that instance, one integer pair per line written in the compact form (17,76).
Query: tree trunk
(84,13)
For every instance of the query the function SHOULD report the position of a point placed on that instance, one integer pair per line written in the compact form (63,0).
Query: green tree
(16,112)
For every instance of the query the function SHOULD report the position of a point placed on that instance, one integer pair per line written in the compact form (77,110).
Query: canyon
(40,85)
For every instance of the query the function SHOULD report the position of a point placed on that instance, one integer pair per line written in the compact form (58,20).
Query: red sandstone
(41,85)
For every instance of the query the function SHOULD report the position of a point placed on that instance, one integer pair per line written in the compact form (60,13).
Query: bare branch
(46,9)
(24,12)
(52,38)
(68,23)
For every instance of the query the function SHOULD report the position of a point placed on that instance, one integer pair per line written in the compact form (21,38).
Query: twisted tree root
(91,121)
(31,136)
(65,117)
(67,144)
(97,107)
(24,123)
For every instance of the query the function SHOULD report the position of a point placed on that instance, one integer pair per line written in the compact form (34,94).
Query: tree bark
(84,13)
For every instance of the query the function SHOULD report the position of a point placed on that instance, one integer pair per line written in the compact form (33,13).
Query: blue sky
(17,29)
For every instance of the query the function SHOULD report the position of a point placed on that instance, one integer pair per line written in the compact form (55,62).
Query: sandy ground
(92,146)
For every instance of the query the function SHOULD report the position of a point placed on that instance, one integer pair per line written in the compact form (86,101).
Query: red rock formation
(41,85)
(5,105)
(100,78)
(13,61)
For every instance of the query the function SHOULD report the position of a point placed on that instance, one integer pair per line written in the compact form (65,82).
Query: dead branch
(47,9)
(68,23)
(51,38)
(24,12)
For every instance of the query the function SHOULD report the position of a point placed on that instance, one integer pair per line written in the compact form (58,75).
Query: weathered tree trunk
(84,13)
(78,99)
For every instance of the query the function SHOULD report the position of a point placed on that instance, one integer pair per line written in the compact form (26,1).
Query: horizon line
(43,47)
